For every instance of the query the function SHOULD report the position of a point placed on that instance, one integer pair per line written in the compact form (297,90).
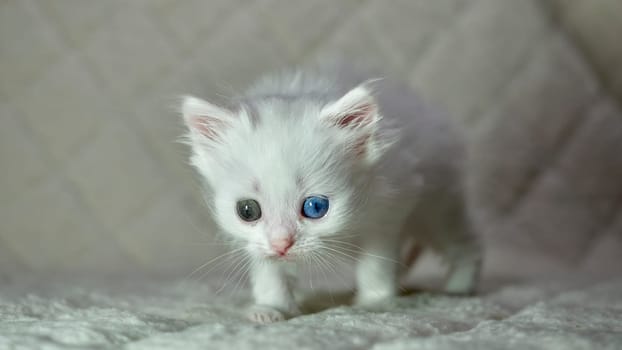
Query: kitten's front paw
(264,314)
(374,302)
(462,279)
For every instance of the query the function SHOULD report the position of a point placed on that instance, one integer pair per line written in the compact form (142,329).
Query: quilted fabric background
(93,181)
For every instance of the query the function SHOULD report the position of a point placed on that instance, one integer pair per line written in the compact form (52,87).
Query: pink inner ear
(359,147)
(358,117)
(208,127)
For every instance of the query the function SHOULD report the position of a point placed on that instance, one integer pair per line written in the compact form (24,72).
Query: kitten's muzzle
(282,245)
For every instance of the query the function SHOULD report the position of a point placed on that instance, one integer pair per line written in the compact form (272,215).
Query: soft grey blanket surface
(189,315)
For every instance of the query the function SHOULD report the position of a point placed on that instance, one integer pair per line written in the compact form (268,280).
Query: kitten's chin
(270,256)
(281,258)
(277,258)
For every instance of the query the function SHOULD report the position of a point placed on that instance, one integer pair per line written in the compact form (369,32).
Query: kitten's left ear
(357,109)
(356,114)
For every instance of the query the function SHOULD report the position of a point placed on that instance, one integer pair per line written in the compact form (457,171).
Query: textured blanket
(169,315)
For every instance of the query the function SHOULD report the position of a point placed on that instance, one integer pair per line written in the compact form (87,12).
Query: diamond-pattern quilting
(27,47)
(88,122)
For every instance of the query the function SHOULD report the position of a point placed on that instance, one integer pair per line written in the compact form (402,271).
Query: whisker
(230,274)
(360,250)
(341,242)
(332,266)
(342,236)
(225,261)
(336,260)
(322,267)
(353,258)
(340,259)
(306,265)
(213,260)
(245,268)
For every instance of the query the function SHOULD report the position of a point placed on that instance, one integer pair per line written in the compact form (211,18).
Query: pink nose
(281,246)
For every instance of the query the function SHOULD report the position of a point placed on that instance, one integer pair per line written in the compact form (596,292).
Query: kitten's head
(286,175)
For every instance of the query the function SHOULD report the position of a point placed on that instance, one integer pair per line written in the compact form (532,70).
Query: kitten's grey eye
(249,210)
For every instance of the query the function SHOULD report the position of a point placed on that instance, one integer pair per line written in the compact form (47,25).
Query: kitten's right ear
(205,120)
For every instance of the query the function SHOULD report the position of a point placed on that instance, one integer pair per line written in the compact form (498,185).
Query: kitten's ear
(356,113)
(357,109)
(205,120)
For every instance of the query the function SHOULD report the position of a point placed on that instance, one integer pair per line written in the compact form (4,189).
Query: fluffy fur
(390,168)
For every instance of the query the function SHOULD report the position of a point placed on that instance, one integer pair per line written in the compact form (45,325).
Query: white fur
(283,141)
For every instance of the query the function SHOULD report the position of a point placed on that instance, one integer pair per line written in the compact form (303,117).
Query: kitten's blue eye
(315,207)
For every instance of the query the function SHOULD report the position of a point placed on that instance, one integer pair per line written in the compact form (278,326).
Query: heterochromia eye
(315,207)
(249,210)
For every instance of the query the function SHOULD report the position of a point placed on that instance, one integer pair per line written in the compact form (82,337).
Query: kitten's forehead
(278,164)
(286,109)
(286,132)
(287,149)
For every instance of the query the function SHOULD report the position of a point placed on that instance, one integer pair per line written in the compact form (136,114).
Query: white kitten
(304,159)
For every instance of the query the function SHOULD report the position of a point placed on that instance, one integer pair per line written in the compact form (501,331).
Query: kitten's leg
(464,268)
(377,270)
(460,246)
(273,297)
